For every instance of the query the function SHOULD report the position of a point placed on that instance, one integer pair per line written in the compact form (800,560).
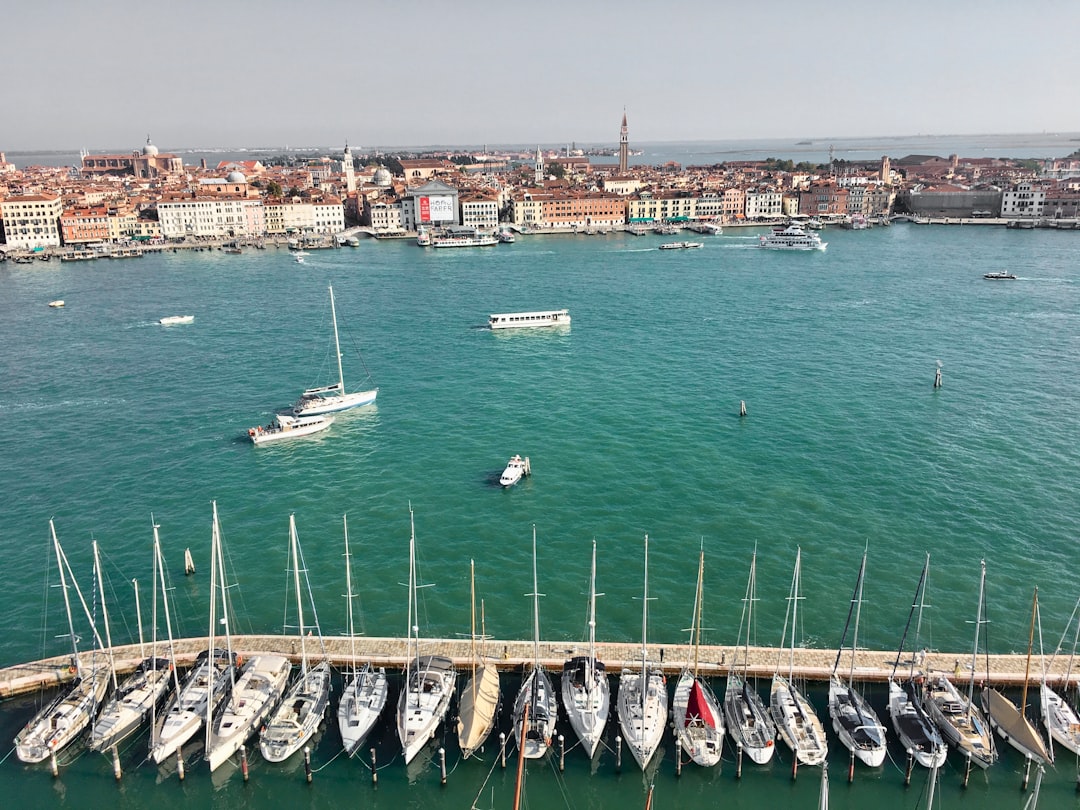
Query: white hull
(914,729)
(1060,718)
(747,720)
(642,718)
(64,719)
(960,722)
(136,698)
(537,693)
(856,724)
(529,320)
(289,427)
(317,406)
(177,320)
(253,698)
(298,716)
(467,241)
(362,702)
(586,696)
(423,703)
(797,722)
(792,238)
(701,735)
(477,708)
(185,713)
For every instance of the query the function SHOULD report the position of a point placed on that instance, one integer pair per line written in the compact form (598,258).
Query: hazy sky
(275,72)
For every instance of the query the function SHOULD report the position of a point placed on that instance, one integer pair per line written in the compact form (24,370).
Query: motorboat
(999,275)
(793,237)
(528,320)
(516,467)
(289,427)
(57,304)
(680,245)
(175,320)
(506,236)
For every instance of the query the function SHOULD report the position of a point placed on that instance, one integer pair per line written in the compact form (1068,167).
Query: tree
(273,188)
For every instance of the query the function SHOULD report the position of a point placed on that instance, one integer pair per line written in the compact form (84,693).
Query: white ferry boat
(462,237)
(524,320)
(680,245)
(793,237)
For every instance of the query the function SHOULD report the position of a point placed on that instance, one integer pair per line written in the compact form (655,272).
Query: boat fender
(72,669)
(251,431)
(239,660)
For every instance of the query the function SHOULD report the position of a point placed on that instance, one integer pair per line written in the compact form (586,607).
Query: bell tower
(624,145)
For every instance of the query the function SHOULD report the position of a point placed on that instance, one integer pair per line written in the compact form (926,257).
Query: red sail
(697,708)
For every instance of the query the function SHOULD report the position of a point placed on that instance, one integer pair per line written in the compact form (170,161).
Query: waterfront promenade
(714,661)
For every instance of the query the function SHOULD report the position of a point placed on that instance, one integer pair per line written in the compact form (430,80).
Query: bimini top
(511,320)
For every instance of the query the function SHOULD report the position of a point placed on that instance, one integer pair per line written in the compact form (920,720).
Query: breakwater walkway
(714,661)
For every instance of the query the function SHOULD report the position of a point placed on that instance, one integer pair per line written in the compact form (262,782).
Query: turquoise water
(630,419)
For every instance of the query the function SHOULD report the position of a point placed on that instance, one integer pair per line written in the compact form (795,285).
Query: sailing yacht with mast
(253,695)
(1058,716)
(586,693)
(955,715)
(364,696)
(643,698)
(913,726)
(332,398)
(1009,720)
(535,729)
(479,701)
(748,721)
(300,714)
(141,693)
(855,723)
(695,712)
(795,717)
(63,719)
(429,680)
(206,684)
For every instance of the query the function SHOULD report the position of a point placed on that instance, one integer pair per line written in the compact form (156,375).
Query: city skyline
(248,73)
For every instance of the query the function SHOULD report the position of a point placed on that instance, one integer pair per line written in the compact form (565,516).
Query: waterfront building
(734,202)
(1062,203)
(621,185)
(480,209)
(212,217)
(432,204)
(418,170)
(32,220)
(764,203)
(147,163)
(85,225)
(824,198)
(948,200)
(661,206)
(566,210)
(328,214)
(383,214)
(709,206)
(1024,200)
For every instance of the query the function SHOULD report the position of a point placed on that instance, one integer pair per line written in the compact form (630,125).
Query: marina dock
(714,661)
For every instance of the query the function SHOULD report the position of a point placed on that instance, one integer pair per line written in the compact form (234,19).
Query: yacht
(289,427)
(522,320)
(793,237)
(1000,275)
(455,236)
(515,469)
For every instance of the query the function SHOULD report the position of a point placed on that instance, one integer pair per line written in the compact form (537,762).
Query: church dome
(382,176)
(149,150)
(235,177)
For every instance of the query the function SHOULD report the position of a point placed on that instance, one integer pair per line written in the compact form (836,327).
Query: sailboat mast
(104,611)
(299,601)
(160,579)
(472,624)
(337,344)
(915,603)
(643,685)
(536,609)
(794,611)
(412,599)
(210,632)
(138,617)
(1031,640)
(224,598)
(697,608)
(592,619)
(750,589)
(349,596)
(858,612)
(67,600)
(978,624)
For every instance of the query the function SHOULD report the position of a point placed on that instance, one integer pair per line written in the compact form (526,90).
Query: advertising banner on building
(436,209)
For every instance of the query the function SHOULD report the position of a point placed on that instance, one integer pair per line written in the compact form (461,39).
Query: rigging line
(487,779)
(335,756)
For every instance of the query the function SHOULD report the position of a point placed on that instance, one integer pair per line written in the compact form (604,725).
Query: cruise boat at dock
(455,236)
(527,320)
(793,237)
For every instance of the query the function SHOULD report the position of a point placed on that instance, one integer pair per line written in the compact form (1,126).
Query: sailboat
(956,715)
(138,696)
(1058,716)
(643,698)
(748,721)
(364,696)
(913,726)
(1010,720)
(586,693)
(695,712)
(206,684)
(535,732)
(429,680)
(795,717)
(480,700)
(331,398)
(64,718)
(300,714)
(253,695)
(855,723)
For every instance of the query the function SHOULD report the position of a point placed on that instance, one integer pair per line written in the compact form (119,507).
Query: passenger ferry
(462,237)
(524,320)
(793,237)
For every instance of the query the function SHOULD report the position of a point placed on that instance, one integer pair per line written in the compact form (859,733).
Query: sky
(253,73)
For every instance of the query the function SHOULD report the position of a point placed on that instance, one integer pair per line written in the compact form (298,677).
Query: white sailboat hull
(299,715)
(254,697)
(1060,718)
(423,703)
(131,706)
(186,712)
(586,696)
(700,736)
(362,702)
(856,724)
(642,717)
(319,405)
(960,722)
(536,693)
(797,722)
(59,724)
(915,729)
(747,720)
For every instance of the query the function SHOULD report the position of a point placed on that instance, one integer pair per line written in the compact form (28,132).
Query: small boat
(175,320)
(506,236)
(999,275)
(332,398)
(516,467)
(527,320)
(364,696)
(289,427)
(233,250)
(298,256)
(423,237)
(57,304)
(536,708)
(586,692)
(680,245)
